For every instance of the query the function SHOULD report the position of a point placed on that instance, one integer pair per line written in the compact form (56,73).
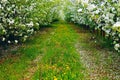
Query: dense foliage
(98,14)
(20,18)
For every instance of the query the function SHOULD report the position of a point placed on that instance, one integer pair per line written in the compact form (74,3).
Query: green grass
(15,66)
(57,56)
(61,61)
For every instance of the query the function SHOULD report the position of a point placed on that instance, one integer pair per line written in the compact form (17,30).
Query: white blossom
(4,1)
(117,46)
(0,6)
(25,36)
(16,41)
(79,10)
(9,42)
(97,11)
(4,30)
(3,39)
(11,21)
(117,24)
(91,7)
(119,35)
(107,31)
(30,24)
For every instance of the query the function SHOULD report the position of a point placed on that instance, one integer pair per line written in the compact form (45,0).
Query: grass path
(61,52)
(61,61)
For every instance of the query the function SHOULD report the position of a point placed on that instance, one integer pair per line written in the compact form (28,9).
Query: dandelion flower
(55,78)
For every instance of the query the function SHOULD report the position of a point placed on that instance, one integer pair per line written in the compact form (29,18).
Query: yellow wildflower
(55,78)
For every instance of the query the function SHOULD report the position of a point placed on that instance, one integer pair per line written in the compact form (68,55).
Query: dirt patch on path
(100,63)
(32,69)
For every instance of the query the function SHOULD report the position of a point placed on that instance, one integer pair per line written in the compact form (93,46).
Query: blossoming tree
(20,18)
(101,15)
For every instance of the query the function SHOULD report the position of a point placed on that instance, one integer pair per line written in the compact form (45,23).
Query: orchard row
(19,19)
(98,15)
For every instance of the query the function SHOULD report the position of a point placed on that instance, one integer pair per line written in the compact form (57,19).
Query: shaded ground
(62,52)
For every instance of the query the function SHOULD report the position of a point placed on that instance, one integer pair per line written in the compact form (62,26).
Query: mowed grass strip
(17,64)
(61,61)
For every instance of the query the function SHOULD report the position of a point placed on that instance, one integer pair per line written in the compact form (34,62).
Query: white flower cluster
(80,10)
(117,24)
(13,21)
(19,19)
(103,15)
